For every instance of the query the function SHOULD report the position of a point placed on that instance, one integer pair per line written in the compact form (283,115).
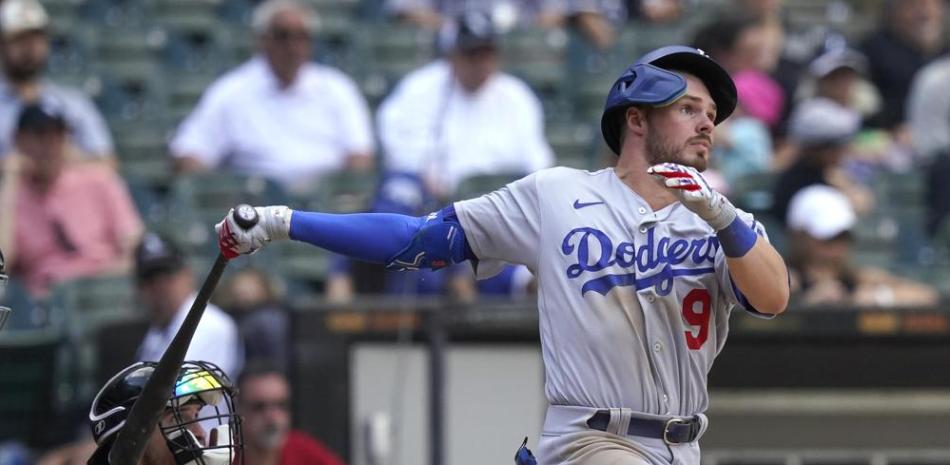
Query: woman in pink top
(69,219)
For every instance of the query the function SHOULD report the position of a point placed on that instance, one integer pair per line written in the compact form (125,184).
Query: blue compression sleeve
(371,237)
(399,241)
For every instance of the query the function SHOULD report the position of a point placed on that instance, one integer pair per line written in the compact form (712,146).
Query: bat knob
(245,216)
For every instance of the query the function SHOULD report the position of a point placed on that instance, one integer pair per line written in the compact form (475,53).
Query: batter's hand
(274,224)
(695,194)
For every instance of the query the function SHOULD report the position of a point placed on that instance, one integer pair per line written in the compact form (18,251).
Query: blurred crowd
(840,145)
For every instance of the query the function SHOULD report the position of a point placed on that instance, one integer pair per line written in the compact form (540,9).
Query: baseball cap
(834,60)
(821,211)
(470,31)
(821,121)
(156,255)
(39,116)
(18,16)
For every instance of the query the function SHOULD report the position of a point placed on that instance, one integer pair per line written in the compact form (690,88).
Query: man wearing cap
(24,49)
(639,266)
(822,130)
(61,219)
(820,220)
(278,115)
(460,116)
(166,289)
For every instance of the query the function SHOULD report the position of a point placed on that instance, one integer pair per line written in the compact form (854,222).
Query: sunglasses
(265,405)
(289,35)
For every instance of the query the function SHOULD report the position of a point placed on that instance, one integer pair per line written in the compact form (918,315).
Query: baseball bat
(147,410)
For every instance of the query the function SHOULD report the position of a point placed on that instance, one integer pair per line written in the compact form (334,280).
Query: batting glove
(273,224)
(695,194)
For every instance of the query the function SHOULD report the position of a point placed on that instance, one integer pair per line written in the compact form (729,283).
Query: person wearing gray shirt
(24,48)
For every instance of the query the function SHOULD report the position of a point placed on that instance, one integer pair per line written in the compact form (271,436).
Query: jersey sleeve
(731,292)
(503,226)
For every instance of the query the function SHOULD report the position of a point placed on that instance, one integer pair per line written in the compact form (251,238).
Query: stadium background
(461,382)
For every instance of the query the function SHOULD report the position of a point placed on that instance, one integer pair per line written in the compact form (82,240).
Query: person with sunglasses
(264,404)
(278,115)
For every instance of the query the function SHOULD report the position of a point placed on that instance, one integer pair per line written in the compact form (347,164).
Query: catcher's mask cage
(207,435)
(4,311)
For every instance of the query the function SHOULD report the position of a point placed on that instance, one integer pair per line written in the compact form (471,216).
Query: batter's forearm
(762,278)
(398,241)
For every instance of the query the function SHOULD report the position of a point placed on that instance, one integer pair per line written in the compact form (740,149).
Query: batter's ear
(636,120)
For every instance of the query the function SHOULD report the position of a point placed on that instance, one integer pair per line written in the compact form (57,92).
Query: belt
(672,431)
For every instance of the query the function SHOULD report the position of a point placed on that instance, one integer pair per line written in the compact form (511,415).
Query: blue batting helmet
(649,81)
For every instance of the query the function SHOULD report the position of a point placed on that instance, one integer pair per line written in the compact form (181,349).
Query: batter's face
(264,404)
(682,132)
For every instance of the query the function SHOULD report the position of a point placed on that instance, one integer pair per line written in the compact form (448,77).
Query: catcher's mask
(199,425)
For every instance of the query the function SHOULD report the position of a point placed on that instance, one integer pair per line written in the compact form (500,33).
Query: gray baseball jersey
(634,303)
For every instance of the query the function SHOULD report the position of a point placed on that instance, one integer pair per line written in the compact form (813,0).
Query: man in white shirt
(460,116)
(166,289)
(279,115)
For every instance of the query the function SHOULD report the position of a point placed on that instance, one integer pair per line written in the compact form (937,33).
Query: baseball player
(638,266)
(199,426)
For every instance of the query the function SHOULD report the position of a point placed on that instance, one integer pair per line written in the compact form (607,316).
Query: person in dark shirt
(912,35)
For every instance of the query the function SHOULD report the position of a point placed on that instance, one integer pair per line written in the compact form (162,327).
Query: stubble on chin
(660,151)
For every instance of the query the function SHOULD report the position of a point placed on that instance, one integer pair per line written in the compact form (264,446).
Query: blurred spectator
(928,114)
(450,120)
(911,36)
(735,41)
(820,221)
(598,20)
(837,74)
(432,14)
(821,131)
(166,289)
(61,219)
(743,143)
(264,404)
(24,49)
(279,115)
(460,116)
(251,297)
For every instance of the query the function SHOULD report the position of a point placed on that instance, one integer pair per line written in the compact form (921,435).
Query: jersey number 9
(695,338)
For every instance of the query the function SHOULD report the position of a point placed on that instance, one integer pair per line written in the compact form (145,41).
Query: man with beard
(638,266)
(24,49)
(264,404)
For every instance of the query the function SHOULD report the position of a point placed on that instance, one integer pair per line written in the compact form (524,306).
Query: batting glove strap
(275,221)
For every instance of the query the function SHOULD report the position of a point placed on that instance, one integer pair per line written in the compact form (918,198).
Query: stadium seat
(574,144)
(474,186)
(391,51)
(141,149)
(28,384)
(537,55)
(198,201)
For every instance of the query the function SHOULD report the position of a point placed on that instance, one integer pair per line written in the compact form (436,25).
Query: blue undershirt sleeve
(398,241)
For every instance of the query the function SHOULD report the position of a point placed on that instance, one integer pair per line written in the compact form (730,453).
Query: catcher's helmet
(4,311)
(650,82)
(202,383)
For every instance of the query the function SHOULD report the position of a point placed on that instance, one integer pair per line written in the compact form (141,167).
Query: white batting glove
(273,224)
(695,194)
